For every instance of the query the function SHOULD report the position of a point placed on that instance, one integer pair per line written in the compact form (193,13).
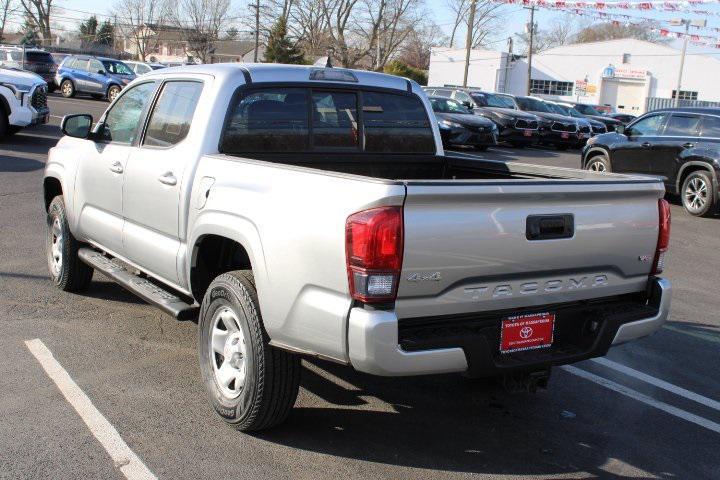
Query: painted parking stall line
(695,397)
(641,397)
(124,458)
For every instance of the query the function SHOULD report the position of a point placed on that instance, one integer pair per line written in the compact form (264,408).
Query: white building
(619,73)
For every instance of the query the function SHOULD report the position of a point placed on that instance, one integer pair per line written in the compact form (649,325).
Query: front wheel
(252,385)
(697,194)
(67,88)
(112,93)
(598,163)
(67,271)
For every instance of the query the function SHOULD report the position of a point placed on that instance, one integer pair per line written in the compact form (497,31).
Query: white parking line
(708,402)
(641,397)
(125,459)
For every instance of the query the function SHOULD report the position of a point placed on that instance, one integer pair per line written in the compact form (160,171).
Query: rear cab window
(326,119)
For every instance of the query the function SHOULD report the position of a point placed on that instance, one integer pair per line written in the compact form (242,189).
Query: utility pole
(468,40)
(687,22)
(530,48)
(257,29)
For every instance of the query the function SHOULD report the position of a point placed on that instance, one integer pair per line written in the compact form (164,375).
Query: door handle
(688,145)
(168,179)
(116,167)
(645,144)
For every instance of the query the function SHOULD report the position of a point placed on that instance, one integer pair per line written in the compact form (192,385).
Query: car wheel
(112,93)
(599,163)
(67,88)
(4,126)
(13,129)
(697,194)
(252,385)
(67,271)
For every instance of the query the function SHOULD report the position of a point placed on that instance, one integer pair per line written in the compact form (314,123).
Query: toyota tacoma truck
(23,101)
(300,211)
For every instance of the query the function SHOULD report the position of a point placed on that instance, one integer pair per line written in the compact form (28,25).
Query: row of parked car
(99,77)
(474,118)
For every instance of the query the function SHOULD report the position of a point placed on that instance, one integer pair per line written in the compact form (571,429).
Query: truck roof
(273,72)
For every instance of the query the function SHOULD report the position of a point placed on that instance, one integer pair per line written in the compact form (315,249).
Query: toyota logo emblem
(525,332)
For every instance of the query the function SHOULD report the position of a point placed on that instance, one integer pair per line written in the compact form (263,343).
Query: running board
(166,301)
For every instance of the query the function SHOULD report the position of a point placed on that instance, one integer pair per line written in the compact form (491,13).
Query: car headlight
(591,140)
(18,89)
(450,124)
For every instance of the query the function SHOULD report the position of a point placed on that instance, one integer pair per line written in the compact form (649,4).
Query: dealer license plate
(527,332)
(527,133)
(564,135)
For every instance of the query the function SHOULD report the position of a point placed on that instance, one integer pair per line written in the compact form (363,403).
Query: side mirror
(101,72)
(77,126)
(620,129)
(468,104)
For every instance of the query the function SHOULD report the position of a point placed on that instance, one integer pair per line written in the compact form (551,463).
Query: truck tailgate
(467,248)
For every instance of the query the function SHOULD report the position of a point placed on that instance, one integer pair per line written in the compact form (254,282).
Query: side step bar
(166,301)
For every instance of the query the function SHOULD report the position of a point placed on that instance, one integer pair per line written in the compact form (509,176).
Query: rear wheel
(252,385)
(598,163)
(4,126)
(67,88)
(697,194)
(67,271)
(112,93)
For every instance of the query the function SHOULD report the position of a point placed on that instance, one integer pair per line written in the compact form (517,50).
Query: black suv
(680,145)
(591,112)
(36,60)
(515,127)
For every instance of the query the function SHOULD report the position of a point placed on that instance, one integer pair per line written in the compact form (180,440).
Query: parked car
(297,210)
(23,100)
(35,60)
(585,129)
(591,112)
(596,127)
(625,118)
(558,130)
(680,145)
(141,68)
(515,127)
(97,76)
(462,127)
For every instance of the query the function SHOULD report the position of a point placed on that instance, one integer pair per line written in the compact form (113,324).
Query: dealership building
(627,74)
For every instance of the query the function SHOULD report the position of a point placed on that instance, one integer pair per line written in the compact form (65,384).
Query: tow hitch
(526,382)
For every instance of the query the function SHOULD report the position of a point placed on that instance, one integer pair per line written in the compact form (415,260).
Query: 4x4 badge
(425,277)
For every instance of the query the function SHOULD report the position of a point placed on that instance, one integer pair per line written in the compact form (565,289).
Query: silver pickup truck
(301,211)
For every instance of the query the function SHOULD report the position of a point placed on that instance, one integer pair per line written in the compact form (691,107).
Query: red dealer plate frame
(527,133)
(527,332)
(564,135)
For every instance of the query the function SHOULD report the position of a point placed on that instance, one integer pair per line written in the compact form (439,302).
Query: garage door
(625,96)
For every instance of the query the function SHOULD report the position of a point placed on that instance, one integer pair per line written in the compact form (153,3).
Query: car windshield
(533,105)
(555,109)
(448,105)
(492,100)
(38,57)
(586,109)
(118,68)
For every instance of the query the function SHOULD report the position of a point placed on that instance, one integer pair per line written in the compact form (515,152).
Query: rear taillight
(374,247)
(663,237)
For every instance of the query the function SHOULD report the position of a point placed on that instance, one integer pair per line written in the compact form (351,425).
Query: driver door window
(122,123)
(647,127)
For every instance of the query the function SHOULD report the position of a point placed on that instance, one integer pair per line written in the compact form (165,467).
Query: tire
(4,126)
(260,383)
(67,88)
(67,271)
(697,195)
(113,92)
(598,163)
(13,129)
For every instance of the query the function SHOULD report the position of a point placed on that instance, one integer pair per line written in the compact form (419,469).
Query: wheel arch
(52,187)
(594,152)
(693,166)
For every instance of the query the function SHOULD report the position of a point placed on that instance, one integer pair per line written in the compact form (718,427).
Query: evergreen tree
(105,34)
(279,48)
(88,31)
(30,32)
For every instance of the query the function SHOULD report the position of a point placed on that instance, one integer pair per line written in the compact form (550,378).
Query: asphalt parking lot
(650,410)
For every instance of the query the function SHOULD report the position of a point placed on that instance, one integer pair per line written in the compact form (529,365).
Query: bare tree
(391,22)
(38,11)
(612,30)
(561,32)
(202,21)
(309,25)
(487,18)
(337,14)
(415,51)
(7,8)
(139,20)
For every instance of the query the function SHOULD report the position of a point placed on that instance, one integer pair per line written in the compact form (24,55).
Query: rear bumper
(380,344)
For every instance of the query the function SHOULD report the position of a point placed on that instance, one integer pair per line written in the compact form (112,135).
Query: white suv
(23,100)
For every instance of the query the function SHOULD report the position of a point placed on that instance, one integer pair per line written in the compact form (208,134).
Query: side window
(682,126)
(334,120)
(647,126)
(140,69)
(268,120)
(80,64)
(122,122)
(170,119)
(443,93)
(95,66)
(396,123)
(711,127)
(462,97)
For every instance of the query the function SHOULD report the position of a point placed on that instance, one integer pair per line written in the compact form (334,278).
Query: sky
(516,17)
